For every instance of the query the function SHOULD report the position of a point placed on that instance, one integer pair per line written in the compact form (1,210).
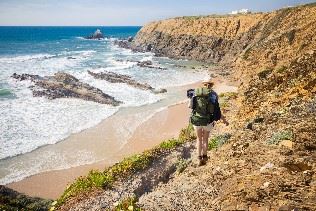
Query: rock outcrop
(119,78)
(124,43)
(12,200)
(97,35)
(234,40)
(63,85)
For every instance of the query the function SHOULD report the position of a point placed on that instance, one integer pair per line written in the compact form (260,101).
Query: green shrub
(279,136)
(187,134)
(218,141)
(170,144)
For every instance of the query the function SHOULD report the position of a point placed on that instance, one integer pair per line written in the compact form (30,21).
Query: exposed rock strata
(256,40)
(63,85)
(119,78)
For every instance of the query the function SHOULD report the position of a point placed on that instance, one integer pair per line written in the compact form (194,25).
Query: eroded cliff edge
(250,40)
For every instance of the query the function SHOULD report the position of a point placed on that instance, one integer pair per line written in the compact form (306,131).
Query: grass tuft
(281,69)
(280,136)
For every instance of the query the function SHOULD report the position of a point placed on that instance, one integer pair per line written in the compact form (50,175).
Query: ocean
(28,123)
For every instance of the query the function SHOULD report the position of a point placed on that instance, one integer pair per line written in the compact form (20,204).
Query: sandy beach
(163,125)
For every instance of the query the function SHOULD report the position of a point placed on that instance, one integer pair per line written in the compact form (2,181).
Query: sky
(121,12)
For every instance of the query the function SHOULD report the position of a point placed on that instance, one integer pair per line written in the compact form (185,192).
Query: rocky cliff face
(248,39)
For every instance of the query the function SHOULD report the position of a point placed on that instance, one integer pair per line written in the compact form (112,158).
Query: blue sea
(28,123)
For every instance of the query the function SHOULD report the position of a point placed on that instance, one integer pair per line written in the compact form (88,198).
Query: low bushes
(104,179)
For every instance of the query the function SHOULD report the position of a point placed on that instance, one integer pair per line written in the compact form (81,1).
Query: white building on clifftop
(242,11)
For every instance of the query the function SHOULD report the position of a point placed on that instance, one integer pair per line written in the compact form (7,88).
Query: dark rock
(26,77)
(264,74)
(130,39)
(123,44)
(119,78)
(97,35)
(63,85)
(12,200)
(249,125)
(149,64)
(258,120)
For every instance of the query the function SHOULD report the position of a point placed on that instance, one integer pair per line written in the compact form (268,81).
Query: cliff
(252,40)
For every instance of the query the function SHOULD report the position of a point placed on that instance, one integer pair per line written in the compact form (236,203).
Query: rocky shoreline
(64,85)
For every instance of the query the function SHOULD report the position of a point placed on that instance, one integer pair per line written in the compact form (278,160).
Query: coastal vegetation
(128,166)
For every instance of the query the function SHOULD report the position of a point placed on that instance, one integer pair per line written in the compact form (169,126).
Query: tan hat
(208,81)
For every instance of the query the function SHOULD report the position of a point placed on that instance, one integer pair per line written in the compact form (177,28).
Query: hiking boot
(204,158)
(201,161)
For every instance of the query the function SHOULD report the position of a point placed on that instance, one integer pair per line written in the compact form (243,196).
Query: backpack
(205,107)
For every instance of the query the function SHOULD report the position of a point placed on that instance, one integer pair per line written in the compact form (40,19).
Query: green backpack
(202,109)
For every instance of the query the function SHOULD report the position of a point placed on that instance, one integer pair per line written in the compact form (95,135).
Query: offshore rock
(119,78)
(64,85)
(97,35)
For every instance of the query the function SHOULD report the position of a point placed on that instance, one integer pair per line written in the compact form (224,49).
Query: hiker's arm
(190,103)
(223,118)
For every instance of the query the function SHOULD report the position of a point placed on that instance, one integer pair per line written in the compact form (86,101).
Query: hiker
(205,111)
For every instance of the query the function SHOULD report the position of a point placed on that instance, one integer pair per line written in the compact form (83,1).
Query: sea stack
(97,35)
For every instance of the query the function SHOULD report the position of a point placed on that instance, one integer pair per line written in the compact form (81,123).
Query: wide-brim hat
(208,81)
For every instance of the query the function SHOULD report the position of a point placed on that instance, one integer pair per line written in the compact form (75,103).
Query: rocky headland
(265,160)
